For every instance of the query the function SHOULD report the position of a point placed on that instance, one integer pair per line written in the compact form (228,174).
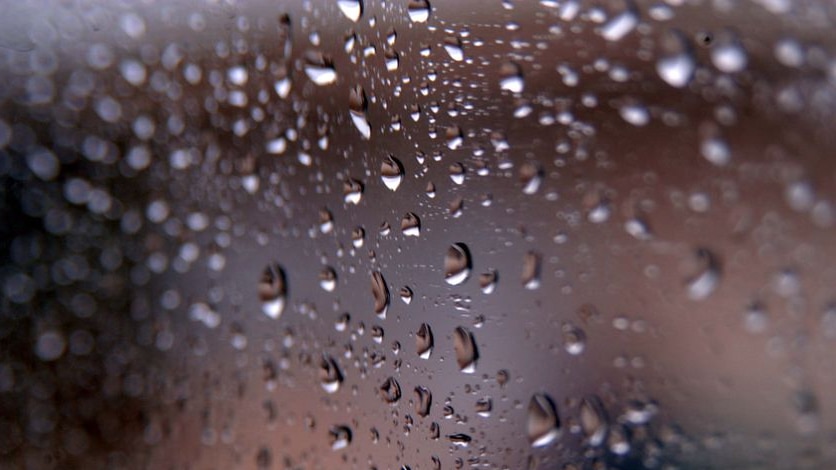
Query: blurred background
(372,234)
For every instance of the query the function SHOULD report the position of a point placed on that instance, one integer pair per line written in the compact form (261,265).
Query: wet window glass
(411,234)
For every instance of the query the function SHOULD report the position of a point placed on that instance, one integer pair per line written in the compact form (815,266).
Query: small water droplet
(635,113)
(453,46)
(728,54)
(328,279)
(406,295)
(339,437)
(543,421)
(531,175)
(457,264)
(459,439)
(620,25)
(390,390)
(424,341)
(358,236)
(511,77)
(466,352)
(352,9)
(676,64)
(707,275)
(419,11)
(272,290)
(352,191)
(377,334)
(574,339)
(320,69)
(342,322)
(488,280)
(423,400)
(411,225)
(391,172)
(330,375)
(380,293)
(484,406)
(326,221)
(357,106)
(531,270)
(593,419)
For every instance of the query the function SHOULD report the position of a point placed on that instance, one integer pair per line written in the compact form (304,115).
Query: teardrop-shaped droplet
(423,400)
(330,375)
(326,221)
(457,264)
(484,406)
(594,421)
(411,225)
(419,11)
(352,9)
(320,69)
(390,390)
(391,172)
(357,106)
(511,77)
(424,341)
(328,279)
(531,270)
(352,191)
(457,172)
(454,137)
(272,290)
(392,60)
(706,278)
(456,207)
(377,334)
(339,437)
(543,421)
(466,352)
(358,236)
(380,293)
(342,322)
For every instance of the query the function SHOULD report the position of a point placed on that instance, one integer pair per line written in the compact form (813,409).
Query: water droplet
(593,419)
(352,191)
(272,290)
(328,279)
(384,229)
(620,25)
(618,442)
(357,106)
(531,270)
(530,175)
(484,406)
(457,264)
(391,172)
(326,221)
(406,295)
(543,421)
(320,69)
(424,341)
(456,207)
(339,437)
(459,439)
(676,64)
(716,151)
(466,352)
(574,339)
(488,280)
(342,322)
(453,46)
(502,377)
(728,54)
(380,292)
(330,375)
(390,390)
(411,225)
(638,228)
(435,431)
(352,9)
(50,345)
(423,400)
(511,77)
(455,139)
(419,11)
(377,334)
(636,114)
(357,237)
(707,275)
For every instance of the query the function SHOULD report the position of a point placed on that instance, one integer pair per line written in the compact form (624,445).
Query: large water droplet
(352,9)
(357,106)
(457,264)
(543,421)
(466,352)
(391,172)
(330,375)
(320,69)
(453,46)
(423,400)
(390,390)
(419,11)
(272,290)
(424,341)
(380,293)
(411,225)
